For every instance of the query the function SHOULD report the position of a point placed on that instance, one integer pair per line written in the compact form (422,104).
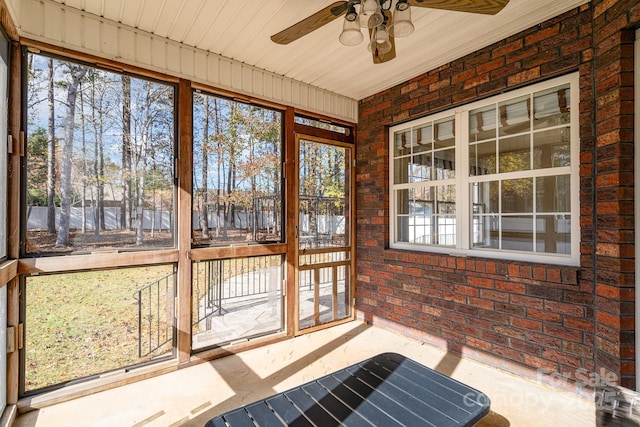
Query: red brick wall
(614,204)
(517,316)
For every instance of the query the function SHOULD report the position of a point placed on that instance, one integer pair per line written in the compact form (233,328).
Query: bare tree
(51,157)
(125,204)
(76,73)
(218,133)
(84,163)
(204,199)
(98,112)
(152,138)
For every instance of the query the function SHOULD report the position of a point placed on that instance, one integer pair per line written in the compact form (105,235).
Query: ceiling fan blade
(379,59)
(339,10)
(382,58)
(309,24)
(487,7)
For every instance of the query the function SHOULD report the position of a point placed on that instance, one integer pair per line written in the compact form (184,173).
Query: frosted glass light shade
(402,25)
(351,34)
(380,40)
(370,16)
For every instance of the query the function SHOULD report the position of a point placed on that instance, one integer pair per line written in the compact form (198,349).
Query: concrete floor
(191,396)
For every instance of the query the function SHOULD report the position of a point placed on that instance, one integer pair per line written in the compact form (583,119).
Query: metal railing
(155,315)
(218,281)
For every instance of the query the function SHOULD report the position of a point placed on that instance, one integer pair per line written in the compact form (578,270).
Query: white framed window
(496,178)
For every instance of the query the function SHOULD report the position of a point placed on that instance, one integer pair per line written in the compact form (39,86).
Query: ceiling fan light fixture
(402,25)
(351,34)
(402,5)
(370,16)
(373,13)
(351,14)
(380,43)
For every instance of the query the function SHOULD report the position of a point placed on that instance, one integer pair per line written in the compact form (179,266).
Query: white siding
(83,32)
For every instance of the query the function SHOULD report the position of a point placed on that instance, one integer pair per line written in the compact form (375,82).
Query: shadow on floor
(266,388)
(447,366)
(266,385)
(493,420)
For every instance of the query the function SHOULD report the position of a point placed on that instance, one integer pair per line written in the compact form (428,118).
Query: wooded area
(97,140)
(237,171)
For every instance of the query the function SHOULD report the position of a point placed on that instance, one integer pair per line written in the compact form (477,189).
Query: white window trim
(463,216)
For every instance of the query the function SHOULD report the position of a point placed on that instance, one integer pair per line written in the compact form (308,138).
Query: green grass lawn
(83,324)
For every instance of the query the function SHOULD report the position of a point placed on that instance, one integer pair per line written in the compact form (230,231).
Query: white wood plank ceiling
(241,30)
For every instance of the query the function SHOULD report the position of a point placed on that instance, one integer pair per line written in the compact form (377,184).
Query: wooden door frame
(294,299)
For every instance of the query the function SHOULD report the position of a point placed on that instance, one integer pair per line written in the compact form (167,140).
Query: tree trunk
(101,169)
(254,192)
(219,154)
(229,205)
(153,215)
(77,73)
(140,193)
(51,159)
(84,166)
(204,209)
(96,171)
(125,204)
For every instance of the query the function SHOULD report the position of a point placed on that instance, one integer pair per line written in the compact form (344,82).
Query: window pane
(402,143)
(486,196)
(553,194)
(517,233)
(402,228)
(427,216)
(554,234)
(517,195)
(515,154)
(515,116)
(482,158)
(445,164)
(235,299)
(402,215)
(82,324)
(421,167)
(552,107)
(482,124)
(446,199)
(431,150)
(100,159)
(444,133)
(423,139)
(551,148)
(237,185)
(401,170)
(446,216)
(309,121)
(485,204)
(413,213)
(323,195)
(485,229)
(402,202)
(422,227)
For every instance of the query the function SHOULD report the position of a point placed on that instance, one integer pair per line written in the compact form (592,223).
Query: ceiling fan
(384,20)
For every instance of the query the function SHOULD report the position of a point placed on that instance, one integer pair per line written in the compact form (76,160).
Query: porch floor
(191,396)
